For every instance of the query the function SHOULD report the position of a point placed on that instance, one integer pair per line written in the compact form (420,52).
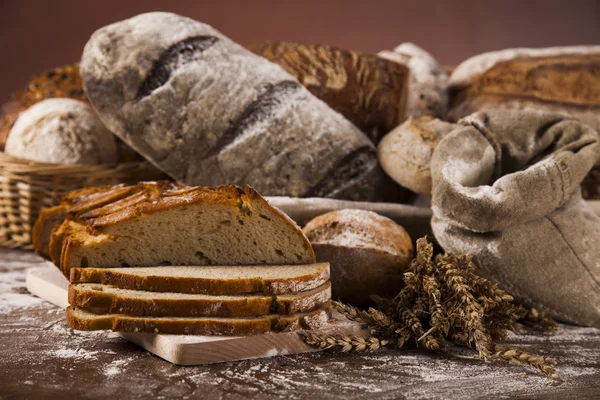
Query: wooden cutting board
(49,284)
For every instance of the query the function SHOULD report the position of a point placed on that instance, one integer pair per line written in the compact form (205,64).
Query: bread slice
(180,226)
(86,321)
(106,299)
(276,280)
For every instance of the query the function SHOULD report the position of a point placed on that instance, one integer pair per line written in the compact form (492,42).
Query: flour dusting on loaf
(208,112)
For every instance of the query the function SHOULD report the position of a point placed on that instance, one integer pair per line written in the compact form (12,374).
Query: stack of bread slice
(161,257)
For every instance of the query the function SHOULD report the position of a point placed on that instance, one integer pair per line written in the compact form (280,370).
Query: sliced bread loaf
(181,226)
(84,320)
(276,280)
(105,299)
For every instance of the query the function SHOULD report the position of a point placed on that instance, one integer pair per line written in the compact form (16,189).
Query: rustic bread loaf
(87,321)
(106,299)
(165,224)
(368,253)
(405,153)
(62,131)
(427,83)
(207,112)
(62,81)
(368,90)
(274,280)
(557,79)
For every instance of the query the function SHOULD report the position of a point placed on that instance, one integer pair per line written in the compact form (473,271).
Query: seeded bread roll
(405,153)
(368,253)
(62,131)
(368,90)
(207,112)
(556,79)
(427,83)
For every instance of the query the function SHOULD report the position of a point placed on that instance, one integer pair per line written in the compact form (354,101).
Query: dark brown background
(36,35)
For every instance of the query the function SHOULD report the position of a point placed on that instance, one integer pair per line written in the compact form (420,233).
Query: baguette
(87,321)
(105,299)
(217,280)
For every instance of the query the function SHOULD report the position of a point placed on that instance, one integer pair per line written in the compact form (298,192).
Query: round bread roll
(62,131)
(368,253)
(405,153)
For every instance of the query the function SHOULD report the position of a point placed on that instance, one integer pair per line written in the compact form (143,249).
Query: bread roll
(368,90)
(62,131)
(207,112)
(63,81)
(427,83)
(368,253)
(557,79)
(405,153)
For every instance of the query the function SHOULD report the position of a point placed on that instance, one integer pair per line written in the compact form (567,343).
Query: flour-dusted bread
(405,153)
(271,279)
(368,90)
(62,131)
(557,79)
(368,253)
(106,299)
(208,112)
(167,224)
(61,82)
(427,82)
(85,320)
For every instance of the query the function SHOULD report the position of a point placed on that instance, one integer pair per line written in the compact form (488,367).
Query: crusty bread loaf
(87,321)
(368,253)
(165,224)
(63,81)
(368,90)
(274,280)
(557,79)
(405,153)
(427,83)
(106,299)
(207,112)
(62,131)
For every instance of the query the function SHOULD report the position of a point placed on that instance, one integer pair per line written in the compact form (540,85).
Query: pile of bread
(167,258)
(288,119)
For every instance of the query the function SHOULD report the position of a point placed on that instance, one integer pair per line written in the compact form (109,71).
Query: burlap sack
(506,189)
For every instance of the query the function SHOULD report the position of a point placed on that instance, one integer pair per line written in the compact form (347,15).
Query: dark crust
(193,285)
(263,106)
(93,296)
(372,94)
(177,55)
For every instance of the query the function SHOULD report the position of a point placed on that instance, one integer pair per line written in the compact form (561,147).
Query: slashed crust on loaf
(560,79)
(275,280)
(105,299)
(83,320)
(368,90)
(162,223)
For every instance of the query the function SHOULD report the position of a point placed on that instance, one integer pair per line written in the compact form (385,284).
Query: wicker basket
(28,186)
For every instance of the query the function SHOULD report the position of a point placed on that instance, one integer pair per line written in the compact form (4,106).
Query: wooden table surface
(41,358)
